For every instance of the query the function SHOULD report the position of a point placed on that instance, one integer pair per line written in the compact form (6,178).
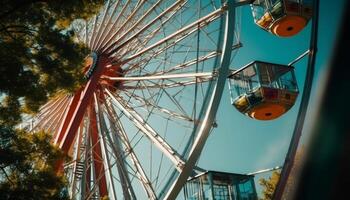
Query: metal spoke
(186,64)
(109,38)
(140,44)
(172,114)
(48,107)
(118,128)
(167,85)
(49,113)
(103,133)
(60,120)
(182,32)
(93,31)
(108,25)
(204,75)
(109,47)
(54,122)
(179,3)
(148,131)
(101,27)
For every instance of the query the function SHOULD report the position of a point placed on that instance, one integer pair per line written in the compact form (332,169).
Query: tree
(39,57)
(269,185)
(10,111)
(38,51)
(27,164)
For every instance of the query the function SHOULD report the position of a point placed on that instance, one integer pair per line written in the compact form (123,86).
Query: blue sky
(242,145)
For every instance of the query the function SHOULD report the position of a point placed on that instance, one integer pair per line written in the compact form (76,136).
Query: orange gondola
(262,90)
(283,18)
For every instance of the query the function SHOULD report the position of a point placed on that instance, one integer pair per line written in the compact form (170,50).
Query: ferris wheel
(154,79)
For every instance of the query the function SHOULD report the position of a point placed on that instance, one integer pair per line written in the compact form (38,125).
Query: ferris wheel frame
(75,115)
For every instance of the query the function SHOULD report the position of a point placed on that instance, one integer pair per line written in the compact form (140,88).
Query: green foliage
(9,111)
(39,57)
(38,53)
(105,198)
(269,185)
(27,164)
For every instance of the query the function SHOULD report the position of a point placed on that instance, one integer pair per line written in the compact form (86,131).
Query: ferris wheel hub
(109,70)
(90,65)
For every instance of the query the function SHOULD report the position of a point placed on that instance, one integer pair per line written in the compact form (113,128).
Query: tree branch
(7,177)
(20,5)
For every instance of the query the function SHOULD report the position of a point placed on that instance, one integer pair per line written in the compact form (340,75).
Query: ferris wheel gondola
(262,90)
(283,18)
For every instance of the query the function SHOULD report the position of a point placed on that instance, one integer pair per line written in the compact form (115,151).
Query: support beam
(86,172)
(97,157)
(117,147)
(72,121)
(307,52)
(76,160)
